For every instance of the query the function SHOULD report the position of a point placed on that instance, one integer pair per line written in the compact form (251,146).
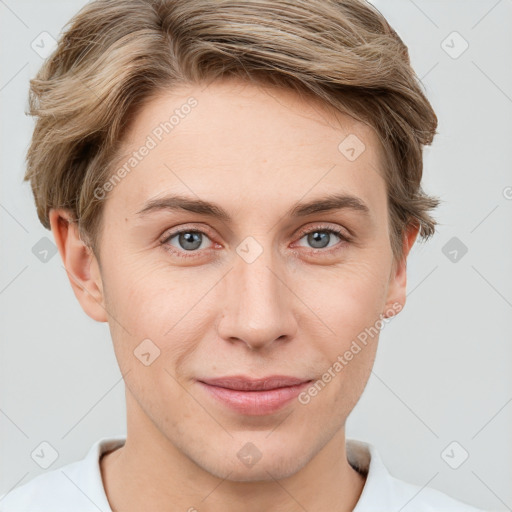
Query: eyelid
(339,230)
(183,228)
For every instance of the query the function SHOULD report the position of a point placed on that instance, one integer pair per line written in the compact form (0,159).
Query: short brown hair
(117,54)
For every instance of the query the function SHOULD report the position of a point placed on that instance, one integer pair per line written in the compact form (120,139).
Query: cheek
(351,311)
(349,304)
(157,310)
(347,298)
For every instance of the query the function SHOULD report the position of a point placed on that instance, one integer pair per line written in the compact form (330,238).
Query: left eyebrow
(329,203)
(189,204)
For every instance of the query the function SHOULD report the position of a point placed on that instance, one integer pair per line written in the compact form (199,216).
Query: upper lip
(242,383)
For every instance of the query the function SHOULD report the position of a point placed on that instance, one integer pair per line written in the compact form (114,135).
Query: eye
(320,237)
(187,241)
(190,243)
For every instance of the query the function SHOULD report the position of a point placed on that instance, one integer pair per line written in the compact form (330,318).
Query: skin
(256,151)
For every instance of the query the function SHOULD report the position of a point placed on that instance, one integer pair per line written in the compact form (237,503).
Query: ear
(396,296)
(80,263)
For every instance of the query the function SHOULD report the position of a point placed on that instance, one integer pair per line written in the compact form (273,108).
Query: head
(298,167)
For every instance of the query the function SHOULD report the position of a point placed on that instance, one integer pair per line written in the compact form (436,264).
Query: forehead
(247,146)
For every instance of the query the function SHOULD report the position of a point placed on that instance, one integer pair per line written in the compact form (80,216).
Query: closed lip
(243,383)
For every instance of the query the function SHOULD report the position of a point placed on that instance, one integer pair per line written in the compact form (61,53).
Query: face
(268,288)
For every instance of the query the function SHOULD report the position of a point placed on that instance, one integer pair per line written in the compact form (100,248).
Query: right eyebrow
(189,204)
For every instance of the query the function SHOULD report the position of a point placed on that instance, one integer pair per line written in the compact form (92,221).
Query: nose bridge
(258,309)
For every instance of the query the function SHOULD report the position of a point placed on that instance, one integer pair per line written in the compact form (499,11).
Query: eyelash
(195,254)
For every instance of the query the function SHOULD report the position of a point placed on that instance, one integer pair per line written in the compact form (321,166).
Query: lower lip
(255,402)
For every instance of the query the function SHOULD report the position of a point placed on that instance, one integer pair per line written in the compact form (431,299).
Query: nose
(257,304)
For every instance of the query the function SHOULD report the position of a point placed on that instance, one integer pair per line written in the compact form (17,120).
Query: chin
(249,464)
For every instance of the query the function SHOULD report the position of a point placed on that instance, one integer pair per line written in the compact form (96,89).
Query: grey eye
(320,238)
(188,240)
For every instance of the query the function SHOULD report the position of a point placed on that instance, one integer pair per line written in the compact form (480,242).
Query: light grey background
(442,372)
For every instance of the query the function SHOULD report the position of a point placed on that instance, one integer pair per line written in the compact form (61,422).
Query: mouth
(254,396)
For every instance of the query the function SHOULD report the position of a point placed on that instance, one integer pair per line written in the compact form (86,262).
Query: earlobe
(398,279)
(80,264)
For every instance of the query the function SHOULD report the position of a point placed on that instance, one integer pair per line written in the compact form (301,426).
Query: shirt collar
(376,495)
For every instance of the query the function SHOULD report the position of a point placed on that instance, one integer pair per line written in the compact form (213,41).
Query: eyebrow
(329,203)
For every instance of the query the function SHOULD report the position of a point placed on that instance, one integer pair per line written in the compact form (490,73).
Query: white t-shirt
(78,487)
